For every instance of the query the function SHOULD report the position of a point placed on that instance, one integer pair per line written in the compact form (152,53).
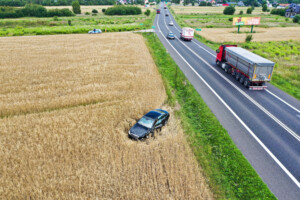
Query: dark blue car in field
(150,122)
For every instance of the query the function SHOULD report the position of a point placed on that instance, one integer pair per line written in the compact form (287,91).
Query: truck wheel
(218,63)
(233,73)
(287,14)
(246,83)
(226,68)
(293,14)
(229,70)
(237,76)
(242,79)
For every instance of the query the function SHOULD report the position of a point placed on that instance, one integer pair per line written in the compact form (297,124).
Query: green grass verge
(229,174)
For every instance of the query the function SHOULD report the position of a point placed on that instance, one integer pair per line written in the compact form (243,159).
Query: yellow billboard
(246,21)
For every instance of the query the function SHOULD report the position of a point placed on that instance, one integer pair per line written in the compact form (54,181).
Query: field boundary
(210,142)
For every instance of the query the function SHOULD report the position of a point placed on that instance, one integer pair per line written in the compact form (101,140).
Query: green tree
(265,8)
(249,10)
(229,10)
(147,12)
(76,7)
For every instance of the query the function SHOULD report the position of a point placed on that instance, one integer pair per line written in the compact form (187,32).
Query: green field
(79,24)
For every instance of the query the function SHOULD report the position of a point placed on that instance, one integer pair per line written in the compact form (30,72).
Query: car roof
(154,114)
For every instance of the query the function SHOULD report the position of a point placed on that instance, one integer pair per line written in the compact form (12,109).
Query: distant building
(240,3)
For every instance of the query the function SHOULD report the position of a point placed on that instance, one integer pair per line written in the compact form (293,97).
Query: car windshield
(147,122)
(171,34)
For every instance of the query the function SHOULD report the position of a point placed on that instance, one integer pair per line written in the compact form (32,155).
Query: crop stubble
(96,87)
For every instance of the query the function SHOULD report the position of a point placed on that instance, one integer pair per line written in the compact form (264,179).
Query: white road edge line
(234,114)
(284,101)
(297,137)
(266,89)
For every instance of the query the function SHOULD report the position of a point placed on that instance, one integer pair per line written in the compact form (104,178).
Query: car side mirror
(218,51)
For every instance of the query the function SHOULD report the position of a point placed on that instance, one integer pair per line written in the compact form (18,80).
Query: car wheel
(166,122)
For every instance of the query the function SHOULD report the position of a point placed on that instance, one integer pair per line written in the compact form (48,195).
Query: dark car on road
(171,36)
(167,14)
(148,124)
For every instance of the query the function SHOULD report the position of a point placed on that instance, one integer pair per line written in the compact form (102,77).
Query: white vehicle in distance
(95,31)
(171,24)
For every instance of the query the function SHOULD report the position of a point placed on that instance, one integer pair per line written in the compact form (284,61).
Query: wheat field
(180,9)
(67,102)
(260,35)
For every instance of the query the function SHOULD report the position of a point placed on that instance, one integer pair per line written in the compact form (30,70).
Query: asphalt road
(265,125)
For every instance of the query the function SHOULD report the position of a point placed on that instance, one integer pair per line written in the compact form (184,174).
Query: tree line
(33,10)
(20,3)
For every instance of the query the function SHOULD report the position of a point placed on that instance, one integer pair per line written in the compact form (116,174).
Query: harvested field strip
(261,34)
(83,152)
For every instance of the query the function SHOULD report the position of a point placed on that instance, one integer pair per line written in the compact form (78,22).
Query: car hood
(139,130)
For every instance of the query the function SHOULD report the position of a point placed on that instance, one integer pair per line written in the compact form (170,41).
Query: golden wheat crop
(72,99)
(211,10)
(260,35)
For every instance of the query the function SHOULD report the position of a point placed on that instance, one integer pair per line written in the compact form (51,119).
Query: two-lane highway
(265,125)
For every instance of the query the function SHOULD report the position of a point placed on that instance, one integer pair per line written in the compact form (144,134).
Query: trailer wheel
(287,14)
(218,63)
(293,14)
(229,70)
(237,76)
(242,79)
(233,73)
(246,83)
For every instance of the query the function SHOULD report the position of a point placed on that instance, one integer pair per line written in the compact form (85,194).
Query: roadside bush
(103,10)
(59,12)
(76,7)
(87,13)
(249,38)
(34,10)
(209,4)
(203,3)
(249,10)
(278,11)
(230,19)
(229,10)
(241,12)
(265,8)
(123,10)
(296,19)
(94,11)
(147,12)
(9,12)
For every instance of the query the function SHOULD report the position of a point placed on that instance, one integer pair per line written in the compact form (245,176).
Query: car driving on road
(150,122)
(167,14)
(171,36)
(171,24)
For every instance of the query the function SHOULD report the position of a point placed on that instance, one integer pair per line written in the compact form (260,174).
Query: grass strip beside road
(228,172)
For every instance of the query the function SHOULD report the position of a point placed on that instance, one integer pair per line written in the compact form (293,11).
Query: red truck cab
(158,11)
(221,53)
